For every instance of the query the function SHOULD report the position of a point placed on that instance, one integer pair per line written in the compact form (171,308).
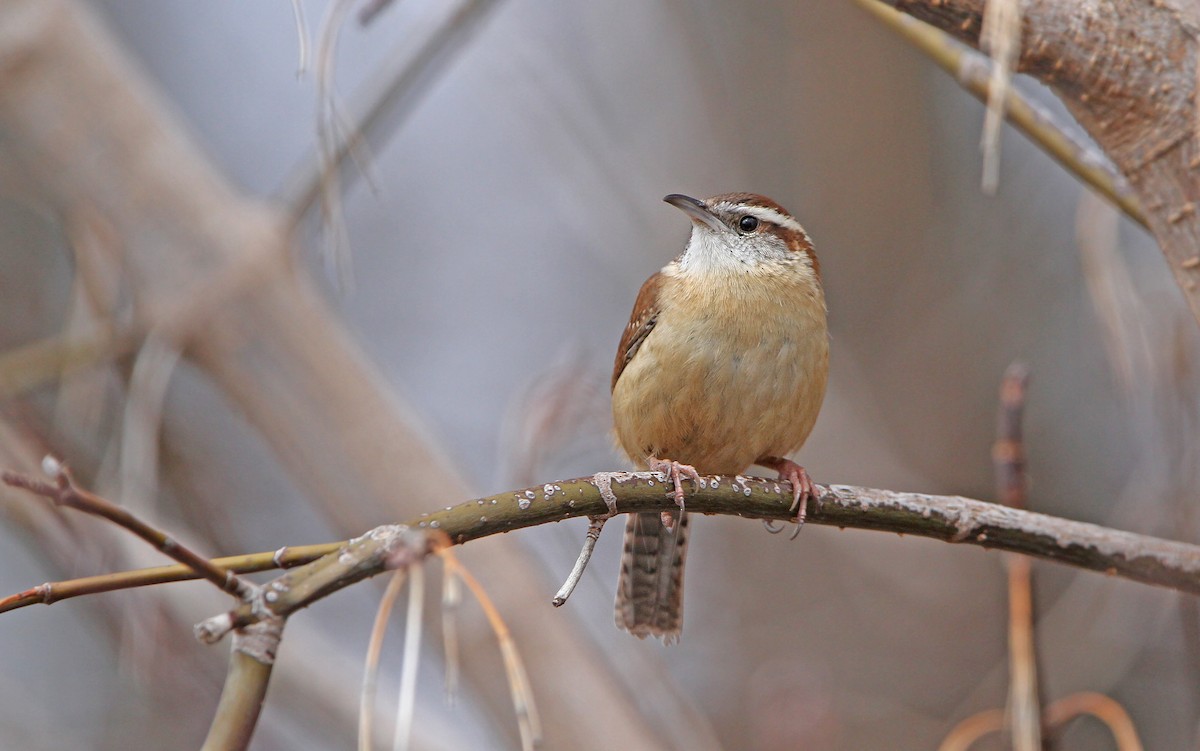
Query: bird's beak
(696,210)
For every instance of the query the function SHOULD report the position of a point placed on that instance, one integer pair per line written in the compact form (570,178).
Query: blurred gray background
(507,224)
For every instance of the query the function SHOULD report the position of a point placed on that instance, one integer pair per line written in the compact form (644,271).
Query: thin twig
(52,592)
(64,492)
(1008,452)
(595,526)
(1024,705)
(1008,458)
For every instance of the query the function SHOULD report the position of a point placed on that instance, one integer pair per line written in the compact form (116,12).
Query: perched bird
(723,365)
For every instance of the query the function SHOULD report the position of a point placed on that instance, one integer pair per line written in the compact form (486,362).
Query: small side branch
(595,526)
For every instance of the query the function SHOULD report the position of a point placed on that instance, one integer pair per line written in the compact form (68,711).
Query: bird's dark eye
(748,224)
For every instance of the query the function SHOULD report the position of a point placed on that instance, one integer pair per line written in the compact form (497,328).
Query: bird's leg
(802,484)
(675,472)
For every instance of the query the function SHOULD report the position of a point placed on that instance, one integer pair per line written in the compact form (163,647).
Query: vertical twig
(1008,457)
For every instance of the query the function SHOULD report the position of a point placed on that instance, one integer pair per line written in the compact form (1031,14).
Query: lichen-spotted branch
(949,518)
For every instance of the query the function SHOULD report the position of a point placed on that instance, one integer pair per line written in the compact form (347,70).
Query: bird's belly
(721,402)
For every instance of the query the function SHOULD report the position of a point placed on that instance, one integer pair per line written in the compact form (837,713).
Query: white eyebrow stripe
(765,214)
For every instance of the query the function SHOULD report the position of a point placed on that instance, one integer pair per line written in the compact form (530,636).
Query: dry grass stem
(337,243)
(407,701)
(366,710)
(558,407)
(518,681)
(451,600)
(24,368)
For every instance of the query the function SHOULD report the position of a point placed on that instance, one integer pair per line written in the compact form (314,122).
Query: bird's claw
(802,489)
(675,472)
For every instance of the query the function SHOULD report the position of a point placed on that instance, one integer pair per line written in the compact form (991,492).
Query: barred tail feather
(650,586)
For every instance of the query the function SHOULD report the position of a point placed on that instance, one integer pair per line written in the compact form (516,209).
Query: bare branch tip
(212,630)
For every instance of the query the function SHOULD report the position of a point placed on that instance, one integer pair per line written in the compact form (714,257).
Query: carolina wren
(723,365)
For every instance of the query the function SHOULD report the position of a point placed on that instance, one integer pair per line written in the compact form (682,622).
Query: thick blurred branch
(1126,70)
(84,128)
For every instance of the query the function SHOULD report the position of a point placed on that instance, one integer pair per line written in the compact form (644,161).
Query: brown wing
(641,322)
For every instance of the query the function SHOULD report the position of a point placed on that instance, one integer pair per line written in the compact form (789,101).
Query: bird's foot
(802,486)
(675,472)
